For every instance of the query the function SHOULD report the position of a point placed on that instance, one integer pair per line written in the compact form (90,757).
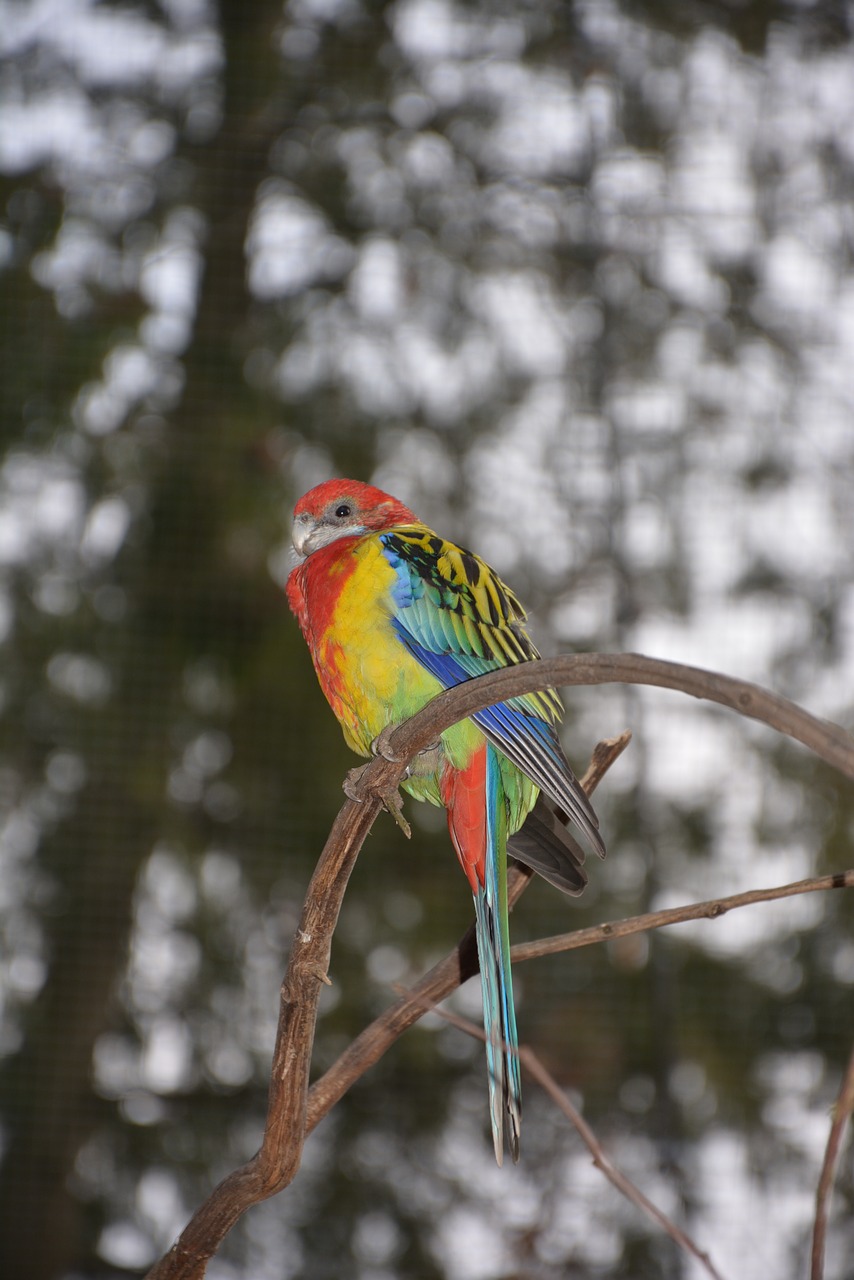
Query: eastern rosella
(393,614)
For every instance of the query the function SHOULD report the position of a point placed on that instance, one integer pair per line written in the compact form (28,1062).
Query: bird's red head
(341,509)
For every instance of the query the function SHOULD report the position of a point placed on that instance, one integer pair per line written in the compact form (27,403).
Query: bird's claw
(381,745)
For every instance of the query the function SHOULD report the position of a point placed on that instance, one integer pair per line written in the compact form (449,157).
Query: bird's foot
(352,782)
(391,800)
(424,762)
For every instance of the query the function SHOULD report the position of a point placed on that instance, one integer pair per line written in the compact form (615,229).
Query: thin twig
(709,910)
(601,1160)
(841,1115)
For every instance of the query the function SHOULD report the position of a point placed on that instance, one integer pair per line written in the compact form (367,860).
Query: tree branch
(709,910)
(291,1112)
(461,964)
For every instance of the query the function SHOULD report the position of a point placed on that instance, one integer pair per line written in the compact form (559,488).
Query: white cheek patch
(324,534)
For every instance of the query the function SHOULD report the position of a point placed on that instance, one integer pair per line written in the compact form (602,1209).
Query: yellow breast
(369,677)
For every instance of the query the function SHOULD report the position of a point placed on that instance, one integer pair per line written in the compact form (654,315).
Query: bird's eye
(343,511)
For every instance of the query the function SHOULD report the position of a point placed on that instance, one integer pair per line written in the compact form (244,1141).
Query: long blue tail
(493,945)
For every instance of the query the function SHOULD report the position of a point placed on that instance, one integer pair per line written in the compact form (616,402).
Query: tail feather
(493,944)
(499,1021)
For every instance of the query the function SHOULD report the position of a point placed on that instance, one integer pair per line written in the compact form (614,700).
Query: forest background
(575,281)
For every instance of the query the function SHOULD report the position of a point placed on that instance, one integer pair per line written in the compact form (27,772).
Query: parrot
(393,614)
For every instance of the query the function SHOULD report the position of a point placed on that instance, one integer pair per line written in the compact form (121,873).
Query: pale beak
(301,532)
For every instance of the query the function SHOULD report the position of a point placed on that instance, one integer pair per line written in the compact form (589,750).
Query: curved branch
(827,740)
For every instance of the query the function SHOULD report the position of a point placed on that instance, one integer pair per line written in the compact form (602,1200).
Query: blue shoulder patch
(408,586)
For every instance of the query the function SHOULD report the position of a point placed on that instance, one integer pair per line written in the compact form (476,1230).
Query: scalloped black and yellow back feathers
(478,614)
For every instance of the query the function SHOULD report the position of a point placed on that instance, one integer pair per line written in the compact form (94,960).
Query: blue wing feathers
(529,742)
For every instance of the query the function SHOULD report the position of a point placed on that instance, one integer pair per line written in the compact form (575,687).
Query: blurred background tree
(575,281)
